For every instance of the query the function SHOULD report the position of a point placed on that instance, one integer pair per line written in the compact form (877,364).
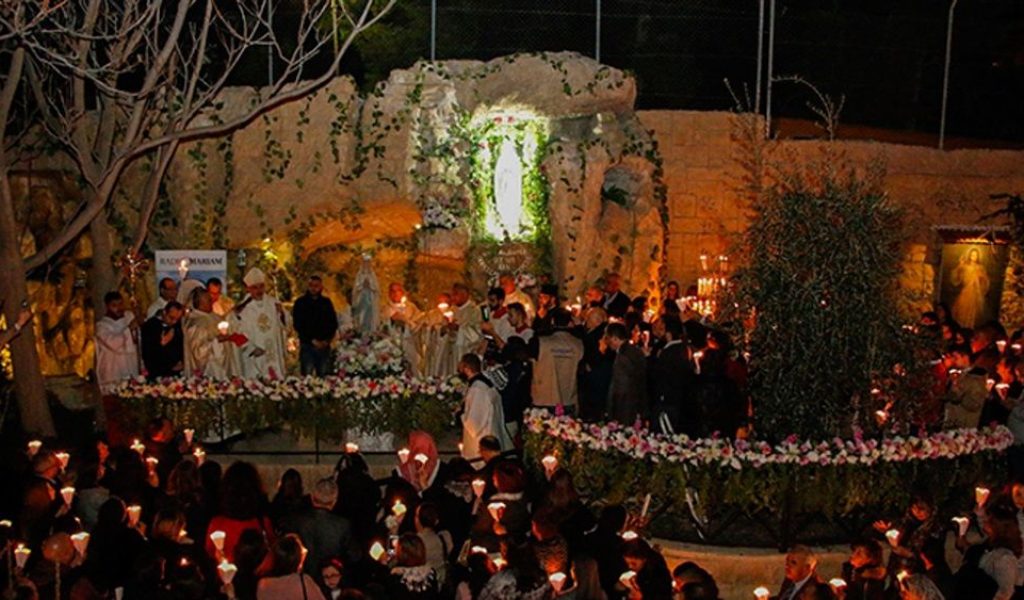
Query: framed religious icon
(971,279)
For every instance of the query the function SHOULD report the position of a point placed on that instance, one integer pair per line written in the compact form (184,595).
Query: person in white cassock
(262,320)
(208,351)
(222,305)
(433,342)
(465,323)
(117,355)
(402,320)
(482,414)
(507,282)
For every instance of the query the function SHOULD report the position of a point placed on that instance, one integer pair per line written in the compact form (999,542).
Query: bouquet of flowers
(371,355)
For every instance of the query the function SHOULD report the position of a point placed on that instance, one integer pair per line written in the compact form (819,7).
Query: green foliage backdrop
(824,259)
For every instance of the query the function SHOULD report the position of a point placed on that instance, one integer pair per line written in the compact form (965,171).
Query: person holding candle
(243,506)
(864,572)
(615,302)
(411,578)
(507,283)
(113,547)
(208,349)
(402,319)
(801,565)
(967,391)
(920,542)
(324,533)
(433,343)
(653,579)
(222,304)
(41,500)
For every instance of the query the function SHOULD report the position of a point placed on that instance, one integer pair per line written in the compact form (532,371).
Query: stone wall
(707,210)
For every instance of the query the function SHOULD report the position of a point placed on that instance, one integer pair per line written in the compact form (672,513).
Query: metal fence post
(433,30)
(945,76)
(597,30)
(760,55)
(771,70)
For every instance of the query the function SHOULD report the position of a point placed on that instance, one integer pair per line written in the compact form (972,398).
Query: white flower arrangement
(642,444)
(376,354)
(437,216)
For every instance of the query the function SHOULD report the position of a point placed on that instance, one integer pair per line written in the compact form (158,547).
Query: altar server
(117,355)
(482,414)
(402,320)
(465,322)
(262,320)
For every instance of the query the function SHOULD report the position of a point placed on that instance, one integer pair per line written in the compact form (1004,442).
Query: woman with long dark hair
(281,576)
(243,506)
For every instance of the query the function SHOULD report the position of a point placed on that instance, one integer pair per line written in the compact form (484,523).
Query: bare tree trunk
(102,278)
(28,379)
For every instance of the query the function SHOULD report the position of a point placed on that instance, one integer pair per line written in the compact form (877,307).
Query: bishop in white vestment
(262,320)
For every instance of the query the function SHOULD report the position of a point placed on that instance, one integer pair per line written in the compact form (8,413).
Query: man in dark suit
(163,345)
(324,533)
(627,395)
(801,565)
(615,302)
(675,407)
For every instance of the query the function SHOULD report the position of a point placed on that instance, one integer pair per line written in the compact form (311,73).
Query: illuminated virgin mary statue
(508,189)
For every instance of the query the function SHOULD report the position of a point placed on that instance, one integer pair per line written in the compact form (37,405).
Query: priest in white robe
(482,414)
(222,305)
(507,282)
(208,349)
(263,321)
(434,343)
(117,354)
(401,319)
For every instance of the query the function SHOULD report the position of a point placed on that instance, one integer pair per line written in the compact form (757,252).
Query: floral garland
(327,406)
(641,444)
(378,354)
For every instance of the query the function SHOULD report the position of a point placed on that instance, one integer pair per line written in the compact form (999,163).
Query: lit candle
(499,563)
(376,551)
(226,571)
(497,509)
(223,327)
(460,447)
(962,523)
(478,550)
(64,459)
(557,580)
(21,554)
(981,495)
(1001,344)
(696,361)
(6,523)
(479,485)
(629,536)
(550,463)
(152,462)
(189,435)
(68,492)
(81,542)
(1002,389)
(762,593)
(134,513)
(398,509)
(351,448)
(837,584)
(421,458)
(882,416)
(403,455)
(893,535)
(183,269)
(138,446)
(627,578)
(33,447)
(646,506)
(200,455)
(1016,348)
(902,576)
(989,384)
(217,537)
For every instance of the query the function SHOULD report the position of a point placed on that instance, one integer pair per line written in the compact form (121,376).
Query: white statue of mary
(366,298)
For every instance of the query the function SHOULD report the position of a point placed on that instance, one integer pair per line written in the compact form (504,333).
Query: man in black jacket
(675,408)
(627,395)
(163,345)
(317,324)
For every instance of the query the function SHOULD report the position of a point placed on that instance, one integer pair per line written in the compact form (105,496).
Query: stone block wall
(707,210)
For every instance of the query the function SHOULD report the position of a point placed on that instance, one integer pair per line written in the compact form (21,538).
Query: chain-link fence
(886,58)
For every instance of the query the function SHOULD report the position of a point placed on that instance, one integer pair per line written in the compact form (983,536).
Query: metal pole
(760,55)
(433,30)
(771,70)
(945,77)
(270,44)
(597,31)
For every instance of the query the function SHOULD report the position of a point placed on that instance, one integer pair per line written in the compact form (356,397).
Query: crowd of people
(153,521)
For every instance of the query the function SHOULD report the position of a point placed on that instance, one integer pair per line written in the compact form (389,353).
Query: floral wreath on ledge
(377,354)
(641,444)
(327,406)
